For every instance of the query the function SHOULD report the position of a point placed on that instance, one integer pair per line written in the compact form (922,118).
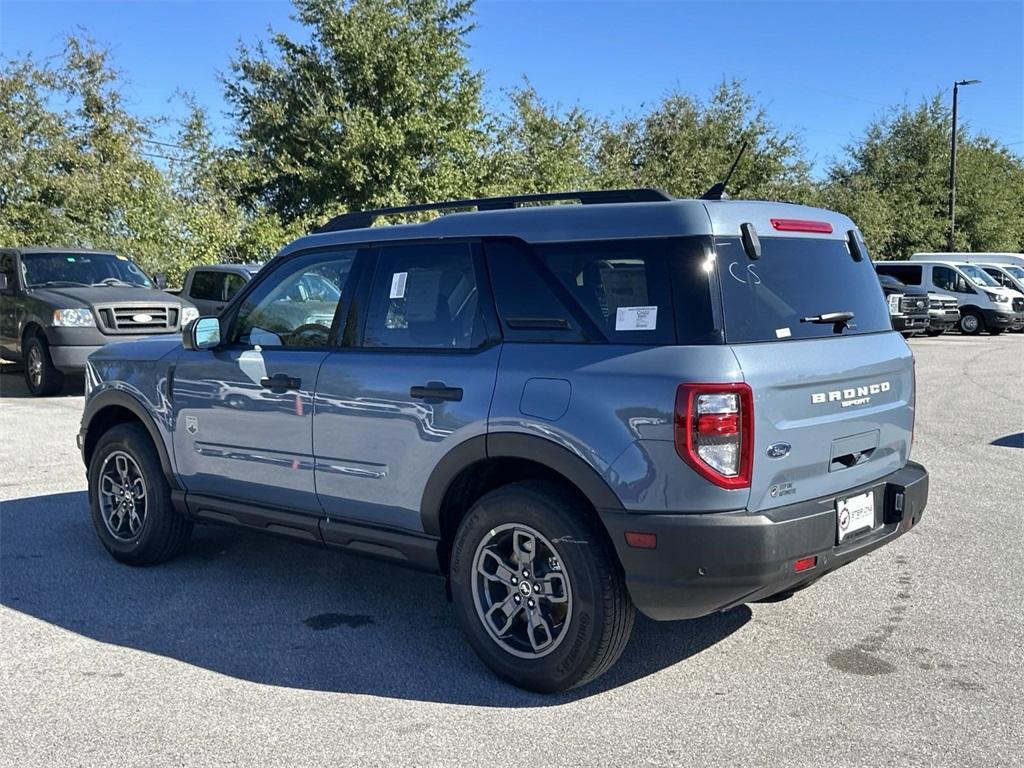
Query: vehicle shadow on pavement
(285,614)
(12,384)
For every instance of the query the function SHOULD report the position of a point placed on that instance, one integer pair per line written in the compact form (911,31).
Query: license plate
(855,514)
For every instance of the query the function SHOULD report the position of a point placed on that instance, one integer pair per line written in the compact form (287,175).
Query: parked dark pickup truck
(59,305)
(908,307)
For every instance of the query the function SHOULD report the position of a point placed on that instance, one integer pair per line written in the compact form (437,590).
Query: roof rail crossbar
(362,219)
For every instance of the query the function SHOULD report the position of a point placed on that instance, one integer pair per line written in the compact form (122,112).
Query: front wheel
(130,499)
(41,377)
(538,590)
(971,323)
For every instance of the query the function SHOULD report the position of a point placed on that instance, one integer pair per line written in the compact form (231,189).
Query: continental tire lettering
(570,658)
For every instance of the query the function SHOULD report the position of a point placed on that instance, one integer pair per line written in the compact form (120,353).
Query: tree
(72,171)
(379,108)
(685,145)
(894,184)
(536,147)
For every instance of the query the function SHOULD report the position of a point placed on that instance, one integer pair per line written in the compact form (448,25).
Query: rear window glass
(796,278)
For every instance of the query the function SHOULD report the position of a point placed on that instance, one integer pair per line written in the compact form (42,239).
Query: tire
(971,322)
(41,378)
(161,532)
(582,599)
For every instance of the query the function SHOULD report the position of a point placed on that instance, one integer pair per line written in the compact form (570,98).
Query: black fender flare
(121,399)
(513,445)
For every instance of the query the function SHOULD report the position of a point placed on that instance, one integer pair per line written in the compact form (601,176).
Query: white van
(984,304)
(983,257)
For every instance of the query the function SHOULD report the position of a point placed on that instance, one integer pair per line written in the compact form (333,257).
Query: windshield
(783,294)
(978,275)
(81,269)
(1017,272)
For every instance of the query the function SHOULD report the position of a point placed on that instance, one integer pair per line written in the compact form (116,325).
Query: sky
(823,69)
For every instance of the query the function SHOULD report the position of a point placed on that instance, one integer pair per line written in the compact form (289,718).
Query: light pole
(951,244)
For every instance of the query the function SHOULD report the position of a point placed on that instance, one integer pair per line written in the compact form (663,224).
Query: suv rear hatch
(833,402)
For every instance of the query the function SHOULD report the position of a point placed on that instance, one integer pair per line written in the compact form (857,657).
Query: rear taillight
(802,225)
(714,431)
(913,402)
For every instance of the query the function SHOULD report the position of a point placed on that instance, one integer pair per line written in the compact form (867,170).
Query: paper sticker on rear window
(636,318)
(398,281)
(783,333)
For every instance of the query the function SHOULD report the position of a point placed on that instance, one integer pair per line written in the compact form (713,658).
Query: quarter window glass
(232,284)
(295,306)
(622,286)
(425,297)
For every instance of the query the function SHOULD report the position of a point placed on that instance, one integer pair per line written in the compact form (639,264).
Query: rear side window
(908,274)
(796,278)
(425,297)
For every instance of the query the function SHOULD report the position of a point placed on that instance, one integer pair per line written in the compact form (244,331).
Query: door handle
(280,382)
(436,390)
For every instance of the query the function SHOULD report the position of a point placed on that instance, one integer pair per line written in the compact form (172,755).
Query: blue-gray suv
(571,411)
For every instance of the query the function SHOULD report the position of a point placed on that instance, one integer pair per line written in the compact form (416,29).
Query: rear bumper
(710,562)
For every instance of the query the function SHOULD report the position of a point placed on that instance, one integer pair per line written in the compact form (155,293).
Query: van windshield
(795,280)
(1016,271)
(977,275)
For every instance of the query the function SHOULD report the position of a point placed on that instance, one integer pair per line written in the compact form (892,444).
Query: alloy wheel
(523,597)
(35,365)
(122,496)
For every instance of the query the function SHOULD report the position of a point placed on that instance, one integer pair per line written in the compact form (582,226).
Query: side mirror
(3,281)
(201,333)
(160,279)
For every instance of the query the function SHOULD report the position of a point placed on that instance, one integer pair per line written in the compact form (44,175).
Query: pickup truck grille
(137,318)
(913,305)
(1018,305)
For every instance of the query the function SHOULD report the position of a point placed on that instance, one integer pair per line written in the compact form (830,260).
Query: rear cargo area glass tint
(796,278)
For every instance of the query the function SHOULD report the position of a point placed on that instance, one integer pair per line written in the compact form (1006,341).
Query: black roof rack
(361,219)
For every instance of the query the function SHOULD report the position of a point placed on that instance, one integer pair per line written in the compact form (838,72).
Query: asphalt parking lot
(255,651)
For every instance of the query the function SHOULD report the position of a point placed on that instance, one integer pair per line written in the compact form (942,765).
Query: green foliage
(378,108)
(685,145)
(894,184)
(75,171)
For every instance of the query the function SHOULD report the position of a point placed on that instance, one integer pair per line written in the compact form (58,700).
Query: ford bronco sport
(571,412)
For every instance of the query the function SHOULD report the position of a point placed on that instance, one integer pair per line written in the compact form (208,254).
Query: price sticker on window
(636,318)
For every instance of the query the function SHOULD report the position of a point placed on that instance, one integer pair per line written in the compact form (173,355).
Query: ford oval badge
(778,450)
(142,317)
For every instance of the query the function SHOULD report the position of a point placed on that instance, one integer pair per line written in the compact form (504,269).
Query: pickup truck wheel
(41,377)
(130,499)
(971,322)
(538,590)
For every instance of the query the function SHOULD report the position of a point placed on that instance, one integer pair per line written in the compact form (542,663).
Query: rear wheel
(971,322)
(537,589)
(130,499)
(41,377)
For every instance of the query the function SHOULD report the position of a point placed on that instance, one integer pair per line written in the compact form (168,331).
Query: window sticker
(636,318)
(783,333)
(398,281)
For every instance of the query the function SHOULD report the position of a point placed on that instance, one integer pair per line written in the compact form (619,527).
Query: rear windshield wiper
(838,320)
